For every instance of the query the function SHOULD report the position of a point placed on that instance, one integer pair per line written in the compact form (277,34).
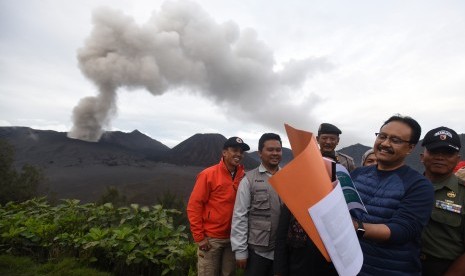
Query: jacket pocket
(259,232)
(261,201)
(446,217)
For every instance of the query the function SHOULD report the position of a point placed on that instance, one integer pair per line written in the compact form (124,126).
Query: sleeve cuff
(242,255)
(199,238)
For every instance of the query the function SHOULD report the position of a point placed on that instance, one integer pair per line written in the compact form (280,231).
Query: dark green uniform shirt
(444,236)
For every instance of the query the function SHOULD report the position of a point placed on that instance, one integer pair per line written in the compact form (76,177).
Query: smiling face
(392,146)
(271,155)
(439,163)
(328,142)
(232,156)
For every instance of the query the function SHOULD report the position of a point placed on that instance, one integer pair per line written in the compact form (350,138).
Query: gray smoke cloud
(181,46)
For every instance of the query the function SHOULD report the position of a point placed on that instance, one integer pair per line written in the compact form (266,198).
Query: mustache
(389,150)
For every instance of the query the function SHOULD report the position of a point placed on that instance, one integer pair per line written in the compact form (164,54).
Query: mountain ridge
(141,167)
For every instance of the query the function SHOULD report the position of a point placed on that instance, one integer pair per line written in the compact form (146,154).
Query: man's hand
(204,245)
(377,232)
(241,263)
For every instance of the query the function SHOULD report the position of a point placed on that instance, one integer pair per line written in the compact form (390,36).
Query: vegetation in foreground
(118,238)
(130,240)
(25,266)
(16,185)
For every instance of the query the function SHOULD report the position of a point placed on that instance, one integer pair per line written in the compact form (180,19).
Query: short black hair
(268,136)
(414,125)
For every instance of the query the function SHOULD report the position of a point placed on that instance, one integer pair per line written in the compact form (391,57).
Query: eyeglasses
(393,140)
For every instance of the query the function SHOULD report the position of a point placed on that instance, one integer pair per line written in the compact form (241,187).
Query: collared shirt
(444,236)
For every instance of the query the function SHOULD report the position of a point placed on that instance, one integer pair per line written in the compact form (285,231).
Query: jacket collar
(262,169)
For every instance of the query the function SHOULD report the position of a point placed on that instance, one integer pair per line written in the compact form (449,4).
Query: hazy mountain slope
(355,151)
(139,166)
(138,142)
(51,148)
(203,150)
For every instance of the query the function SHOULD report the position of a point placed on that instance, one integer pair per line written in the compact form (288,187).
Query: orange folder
(304,181)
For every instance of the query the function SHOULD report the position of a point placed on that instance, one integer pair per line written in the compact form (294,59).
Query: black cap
(326,128)
(236,142)
(441,137)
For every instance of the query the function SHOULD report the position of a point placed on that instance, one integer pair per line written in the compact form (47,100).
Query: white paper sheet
(334,224)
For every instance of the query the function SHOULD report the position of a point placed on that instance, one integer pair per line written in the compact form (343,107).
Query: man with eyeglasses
(443,240)
(328,139)
(398,200)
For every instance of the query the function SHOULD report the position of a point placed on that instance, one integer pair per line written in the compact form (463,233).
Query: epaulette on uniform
(346,156)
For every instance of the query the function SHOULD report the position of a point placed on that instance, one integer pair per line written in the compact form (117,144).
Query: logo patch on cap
(443,134)
(239,140)
(441,138)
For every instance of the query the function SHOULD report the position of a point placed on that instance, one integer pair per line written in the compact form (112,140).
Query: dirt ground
(139,184)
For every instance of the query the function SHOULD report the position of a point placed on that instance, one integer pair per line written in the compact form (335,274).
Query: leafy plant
(14,265)
(130,240)
(16,186)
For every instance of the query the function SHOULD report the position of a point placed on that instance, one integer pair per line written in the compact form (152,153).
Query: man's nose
(440,155)
(386,142)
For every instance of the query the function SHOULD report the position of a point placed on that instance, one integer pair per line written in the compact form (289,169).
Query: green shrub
(16,186)
(130,240)
(24,266)
(11,265)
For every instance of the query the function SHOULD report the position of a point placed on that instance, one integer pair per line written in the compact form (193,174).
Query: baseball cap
(326,128)
(441,137)
(236,142)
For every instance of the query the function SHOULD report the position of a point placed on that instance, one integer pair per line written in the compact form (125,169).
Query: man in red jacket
(210,209)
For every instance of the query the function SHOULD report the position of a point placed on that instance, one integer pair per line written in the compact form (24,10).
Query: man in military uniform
(328,139)
(443,239)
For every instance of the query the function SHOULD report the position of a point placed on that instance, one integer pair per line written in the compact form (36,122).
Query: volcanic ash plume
(182,46)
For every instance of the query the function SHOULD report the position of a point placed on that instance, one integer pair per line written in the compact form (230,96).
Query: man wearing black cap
(210,209)
(328,139)
(443,240)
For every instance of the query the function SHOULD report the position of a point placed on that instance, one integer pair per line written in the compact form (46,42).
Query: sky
(171,69)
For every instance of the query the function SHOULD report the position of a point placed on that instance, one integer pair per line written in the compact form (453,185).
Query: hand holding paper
(305,182)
